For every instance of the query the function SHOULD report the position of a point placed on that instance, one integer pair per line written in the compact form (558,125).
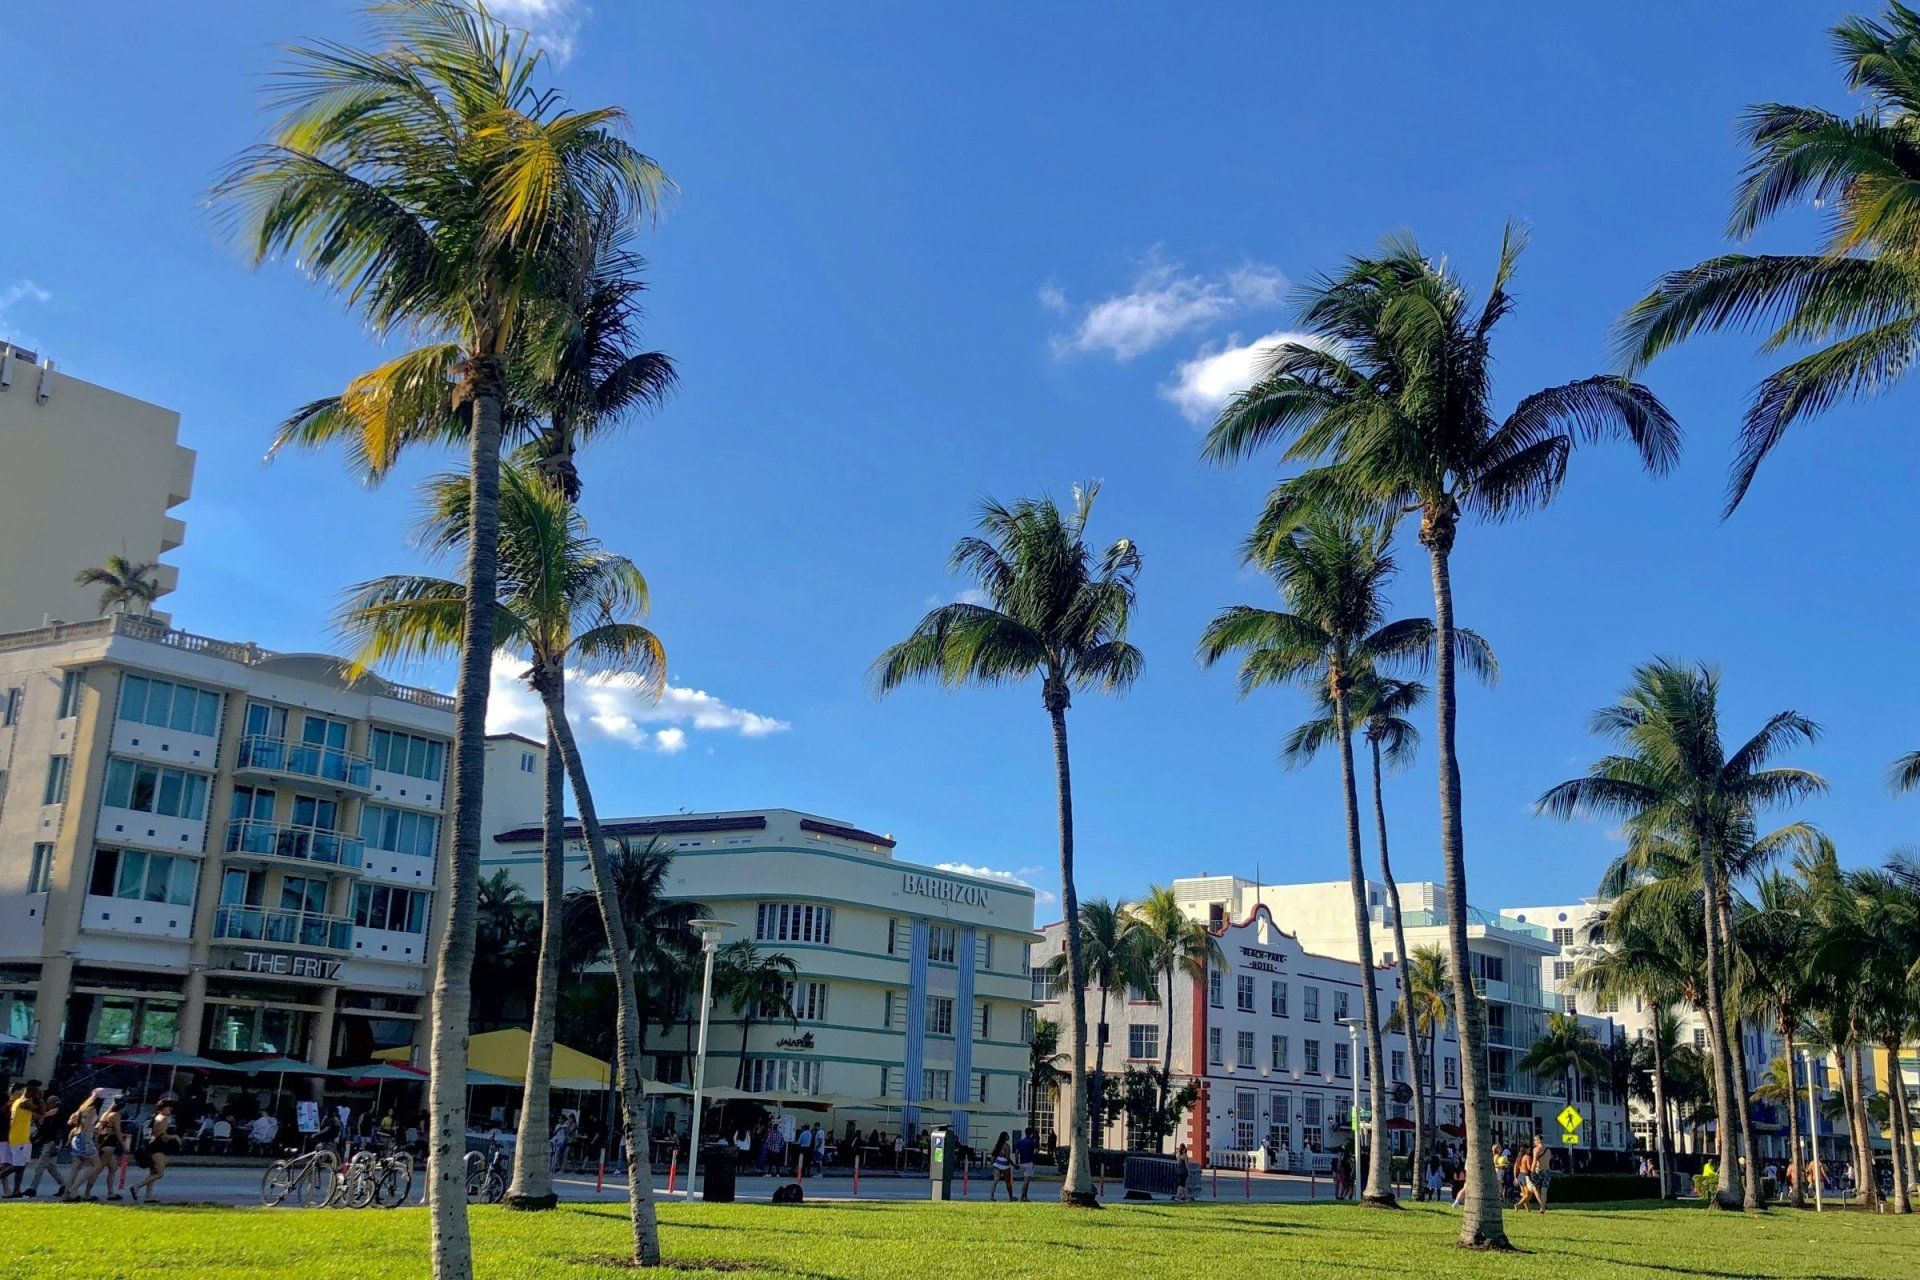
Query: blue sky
(925,253)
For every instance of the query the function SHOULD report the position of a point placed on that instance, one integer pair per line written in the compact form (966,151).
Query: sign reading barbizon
(969,895)
(287,964)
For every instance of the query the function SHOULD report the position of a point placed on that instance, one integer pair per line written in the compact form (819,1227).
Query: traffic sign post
(1570,1121)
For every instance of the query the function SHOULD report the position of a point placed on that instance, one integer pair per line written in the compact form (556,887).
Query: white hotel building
(208,846)
(912,981)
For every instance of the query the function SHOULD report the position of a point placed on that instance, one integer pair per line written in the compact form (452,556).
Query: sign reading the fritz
(287,964)
(1266,961)
(968,895)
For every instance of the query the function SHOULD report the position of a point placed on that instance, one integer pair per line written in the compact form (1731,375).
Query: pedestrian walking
(83,1128)
(162,1145)
(50,1148)
(1002,1164)
(1182,1174)
(1024,1151)
(1542,1171)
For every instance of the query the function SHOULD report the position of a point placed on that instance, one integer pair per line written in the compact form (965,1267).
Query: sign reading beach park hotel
(967,895)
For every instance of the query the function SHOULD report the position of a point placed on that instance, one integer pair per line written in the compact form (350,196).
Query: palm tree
(564,603)
(1332,573)
(756,984)
(504,960)
(1111,947)
(1775,943)
(1056,609)
(126,586)
(1428,1010)
(1860,294)
(1173,944)
(1673,779)
(1568,1050)
(1043,1067)
(435,186)
(1391,400)
(1888,913)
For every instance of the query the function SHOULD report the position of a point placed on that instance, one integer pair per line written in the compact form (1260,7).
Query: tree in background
(1174,946)
(126,586)
(1112,947)
(1567,1050)
(756,984)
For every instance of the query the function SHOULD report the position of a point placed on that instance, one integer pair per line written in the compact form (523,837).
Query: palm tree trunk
(1743,1116)
(1900,1123)
(452,1248)
(1725,1104)
(1077,1189)
(1421,1136)
(1379,1188)
(1864,1181)
(746,1032)
(1661,1130)
(1166,1058)
(1798,1192)
(1481,1225)
(532,1171)
(1096,1103)
(646,1223)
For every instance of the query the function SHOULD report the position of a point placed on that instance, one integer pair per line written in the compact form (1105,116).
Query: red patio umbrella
(1400,1123)
(1453,1131)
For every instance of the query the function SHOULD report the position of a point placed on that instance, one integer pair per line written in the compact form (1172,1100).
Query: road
(240,1185)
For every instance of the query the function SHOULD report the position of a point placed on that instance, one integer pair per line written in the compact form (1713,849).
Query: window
(1562,970)
(941,940)
(58,768)
(1451,1071)
(40,872)
(1340,1006)
(899,937)
(1279,1048)
(1608,1003)
(808,1000)
(983,951)
(303,893)
(1143,1040)
(1569,1003)
(1278,999)
(1489,968)
(399,830)
(1213,1046)
(526,762)
(155,788)
(379,906)
(10,706)
(1311,1051)
(1398,1063)
(1342,1059)
(397,752)
(893,1011)
(1044,988)
(1310,1116)
(983,1021)
(1700,1037)
(1143,995)
(167,705)
(936,1085)
(144,877)
(1214,988)
(70,685)
(1563,937)
(794,922)
(1243,1049)
(939,1015)
(1027,1019)
(1243,992)
(1312,996)
(783,1075)
(979,1086)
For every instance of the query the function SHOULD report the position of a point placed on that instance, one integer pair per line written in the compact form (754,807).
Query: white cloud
(554,25)
(1201,385)
(12,294)
(1164,302)
(1023,877)
(618,709)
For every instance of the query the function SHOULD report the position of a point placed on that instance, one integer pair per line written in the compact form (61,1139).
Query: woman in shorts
(82,1130)
(162,1144)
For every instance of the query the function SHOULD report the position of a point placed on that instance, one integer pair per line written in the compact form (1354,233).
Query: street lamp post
(1813,1130)
(1353,1065)
(709,931)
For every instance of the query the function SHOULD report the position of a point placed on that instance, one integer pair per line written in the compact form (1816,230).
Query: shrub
(1593,1188)
(1706,1186)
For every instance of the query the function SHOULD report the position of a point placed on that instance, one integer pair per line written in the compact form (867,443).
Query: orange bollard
(1216,1182)
(600,1179)
(1313,1184)
(856,1173)
(966,1183)
(1103,1184)
(1249,1182)
(123,1171)
(673,1169)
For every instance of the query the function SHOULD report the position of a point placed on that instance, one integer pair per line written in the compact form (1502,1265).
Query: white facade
(211,847)
(88,473)
(1263,1036)
(912,981)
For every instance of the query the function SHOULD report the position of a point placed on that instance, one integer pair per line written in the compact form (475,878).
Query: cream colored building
(208,846)
(85,473)
(912,981)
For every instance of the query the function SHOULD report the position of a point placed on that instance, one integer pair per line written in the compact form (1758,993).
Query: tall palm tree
(1391,399)
(1058,609)
(1111,947)
(508,938)
(1426,1014)
(1888,913)
(1567,1049)
(1672,777)
(1332,574)
(1859,295)
(126,586)
(755,984)
(1775,942)
(564,603)
(1173,945)
(433,184)
(1043,1067)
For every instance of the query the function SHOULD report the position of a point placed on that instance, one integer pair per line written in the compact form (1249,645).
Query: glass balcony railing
(307,844)
(297,928)
(306,760)
(1475,916)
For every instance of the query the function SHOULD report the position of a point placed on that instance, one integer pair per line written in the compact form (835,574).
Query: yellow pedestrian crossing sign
(1570,1121)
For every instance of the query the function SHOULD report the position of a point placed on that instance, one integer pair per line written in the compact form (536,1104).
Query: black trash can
(717,1172)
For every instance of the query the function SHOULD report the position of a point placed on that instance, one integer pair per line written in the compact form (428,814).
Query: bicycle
(486,1175)
(311,1179)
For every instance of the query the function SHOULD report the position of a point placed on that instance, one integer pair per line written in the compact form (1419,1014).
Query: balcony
(284,841)
(277,757)
(295,928)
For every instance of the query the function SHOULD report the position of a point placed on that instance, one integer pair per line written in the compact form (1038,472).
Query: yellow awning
(504,1053)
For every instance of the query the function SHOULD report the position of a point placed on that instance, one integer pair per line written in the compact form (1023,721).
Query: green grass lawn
(904,1241)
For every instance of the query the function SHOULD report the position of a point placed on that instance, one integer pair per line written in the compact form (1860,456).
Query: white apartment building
(912,981)
(1506,956)
(1264,1037)
(208,846)
(85,473)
